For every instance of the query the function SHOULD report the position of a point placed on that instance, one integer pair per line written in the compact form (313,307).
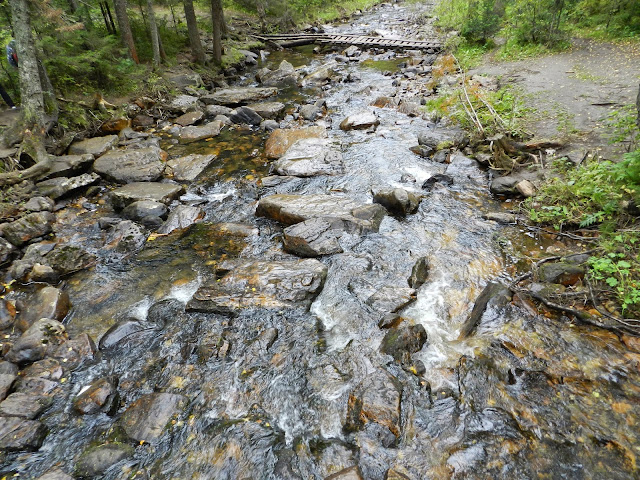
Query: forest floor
(573,93)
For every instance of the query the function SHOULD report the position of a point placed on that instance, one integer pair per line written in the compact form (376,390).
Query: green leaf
(612,282)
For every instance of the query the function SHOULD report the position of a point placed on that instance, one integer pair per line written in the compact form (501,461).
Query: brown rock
(29,227)
(147,417)
(24,405)
(189,118)
(41,337)
(100,396)
(280,140)
(19,434)
(6,382)
(115,125)
(73,352)
(48,302)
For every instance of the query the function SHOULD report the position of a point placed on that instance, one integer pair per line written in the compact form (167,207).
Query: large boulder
(291,209)
(147,417)
(397,201)
(126,237)
(260,284)
(360,121)
(159,192)
(238,95)
(316,236)
(61,186)
(320,76)
(189,118)
(281,139)
(269,110)
(181,217)
(18,434)
(43,336)
(376,399)
(48,302)
(131,165)
(285,75)
(27,228)
(439,138)
(94,146)
(183,104)
(310,157)
(70,165)
(138,211)
(194,134)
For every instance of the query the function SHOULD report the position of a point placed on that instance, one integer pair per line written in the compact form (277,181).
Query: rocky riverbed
(296,275)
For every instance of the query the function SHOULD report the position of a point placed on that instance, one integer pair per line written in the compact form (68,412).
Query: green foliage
(622,123)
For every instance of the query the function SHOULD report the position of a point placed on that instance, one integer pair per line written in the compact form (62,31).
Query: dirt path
(574,91)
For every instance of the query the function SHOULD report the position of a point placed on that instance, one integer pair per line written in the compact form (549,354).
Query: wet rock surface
(397,201)
(238,96)
(95,461)
(310,157)
(27,228)
(146,419)
(132,165)
(280,140)
(133,192)
(195,134)
(187,169)
(94,146)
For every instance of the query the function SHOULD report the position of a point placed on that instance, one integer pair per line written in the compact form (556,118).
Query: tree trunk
(73,5)
(216,19)
(110,17)
(638,108)
(155,39)
(125,28)
(106,19)
(194,34)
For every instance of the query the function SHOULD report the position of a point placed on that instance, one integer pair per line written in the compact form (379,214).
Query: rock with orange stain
(280,140)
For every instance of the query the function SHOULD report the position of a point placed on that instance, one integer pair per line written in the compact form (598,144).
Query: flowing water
(525,397)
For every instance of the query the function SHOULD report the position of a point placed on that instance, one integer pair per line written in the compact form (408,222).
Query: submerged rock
(96,460)
(55,474)
(48,302)
(403,340)
(187,169)
(181,217)
(132,192)
(397,201)
(316,236)
(131,165)
(101,396)
(291,209)
(146,418)
(310,157)
(281,139)
(126,331)
(66,259)
(258,284)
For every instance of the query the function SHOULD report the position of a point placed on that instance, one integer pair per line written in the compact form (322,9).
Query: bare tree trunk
(73,5)
(217,19)
(110,17)
(638,108)
(155,39)
(194,34)
(125,28)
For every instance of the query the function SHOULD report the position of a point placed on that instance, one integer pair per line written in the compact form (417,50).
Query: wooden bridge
(297,39)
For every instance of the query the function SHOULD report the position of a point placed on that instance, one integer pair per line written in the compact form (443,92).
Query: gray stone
(39,204)
(43,273)
(566,274)
(43,336)
(121,333)
(500,217)
(194,134)
(403,340)
(147,417)
(285,75)
(310,157)
(66,259)
(181,217)
(131,165)
(55,474)
(504,185)
(320,76)
(24,405)
(7,314)
(397,201)
(269,125)
(391,299)
(70,165)
(94,146)
(183,104)
(352,51)
(493,296)
(310,112)
(95,461)
(159,192)
(360,121)
(351,473)
(268,110)
(27,228)
(281,139)
(316,236)
(189,118)
(6,382)
(290,209)
(61,186)
(215,110)
(126,237)
(259,284)
(17,434)
(238,95)
(440,138)
(376,399)
(245,115)
(136,211)
(48,302)
(419,273)
(191,79)
(8,368)
(526,188)
(100,396)
(6,249)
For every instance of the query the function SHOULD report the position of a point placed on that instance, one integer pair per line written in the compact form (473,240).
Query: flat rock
(247,116)
(70,165)
(376,399)
(24,405)
(137,211)
(258,284)
(281,139)
(316,236)
(18,434)
(27,228)
(61,186)
(189,118)
(66,259)
(291,209)
(95,146)
(284,75)
(238,95)
(48,302)
(269,110)
(183,104)
(96,460)
(39,204)
(187,169)
(215,110)
(360,121)
(194,134)
(132,192)
(131,165)
(440,138)
(45,335)
(563,273)
(147,417)
(501,217)
(398,201)
(310,157)
(181,217)
(391,299)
